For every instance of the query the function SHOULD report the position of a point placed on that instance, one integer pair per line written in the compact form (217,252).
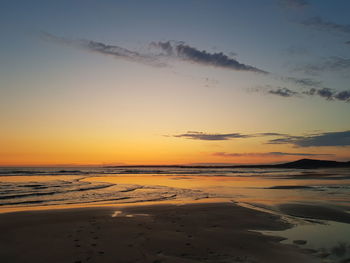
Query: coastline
(202,232)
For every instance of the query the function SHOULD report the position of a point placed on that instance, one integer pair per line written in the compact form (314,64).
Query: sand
(217,232)
(314,211)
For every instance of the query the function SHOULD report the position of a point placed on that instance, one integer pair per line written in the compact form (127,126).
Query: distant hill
(312,164)
(299,164)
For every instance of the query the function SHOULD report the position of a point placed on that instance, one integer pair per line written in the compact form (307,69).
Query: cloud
(329,64)
(266,154)
(169,49)
(321,24)
(303,81)
(316,140)
(283,92)
(101,48)
(341,138)
(343,95)
(326,93)
(329,94)
(347,42)
(262,134)
(211,136)
(184,52)
(296,4)
(194,135)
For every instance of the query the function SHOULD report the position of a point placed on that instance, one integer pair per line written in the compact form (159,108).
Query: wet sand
(314,211)
(217,232)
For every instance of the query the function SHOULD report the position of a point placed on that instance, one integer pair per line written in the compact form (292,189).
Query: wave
(41,172)
(61,189)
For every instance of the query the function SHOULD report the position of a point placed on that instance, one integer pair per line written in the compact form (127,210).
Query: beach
(174,215)
(216,232)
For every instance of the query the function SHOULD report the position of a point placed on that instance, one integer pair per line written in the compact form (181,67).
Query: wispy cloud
(304,82)
(194,135)
(166,50)
(326,93)
(328,64)
(316,140)
(266,154)
(101,48)
(325,25)
(264,134)
(211,136)
(184,52)
(341,138)
(296,4)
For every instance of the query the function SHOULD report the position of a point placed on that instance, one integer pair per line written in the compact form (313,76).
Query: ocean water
(32,187)
(269,190)
(29,187)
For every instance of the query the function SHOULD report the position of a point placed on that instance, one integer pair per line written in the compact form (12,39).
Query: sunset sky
(174,82)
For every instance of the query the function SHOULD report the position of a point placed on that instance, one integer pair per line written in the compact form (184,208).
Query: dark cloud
(347,42)
(297,4)
(321,24)
(316,140)
(343,95)
(326,93)
(223,136)
(283,92)
(185,52)
(224,154)
(101,48)
(329,94)
(341,138)
(211,136)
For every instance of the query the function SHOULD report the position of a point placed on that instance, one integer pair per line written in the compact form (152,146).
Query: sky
(174,82)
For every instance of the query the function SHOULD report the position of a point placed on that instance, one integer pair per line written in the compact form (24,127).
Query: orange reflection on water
(243,189)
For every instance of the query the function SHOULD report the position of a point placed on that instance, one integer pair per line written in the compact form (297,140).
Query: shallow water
(328,239)
(23,187)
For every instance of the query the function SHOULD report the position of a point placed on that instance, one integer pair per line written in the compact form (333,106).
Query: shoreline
(200,232)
